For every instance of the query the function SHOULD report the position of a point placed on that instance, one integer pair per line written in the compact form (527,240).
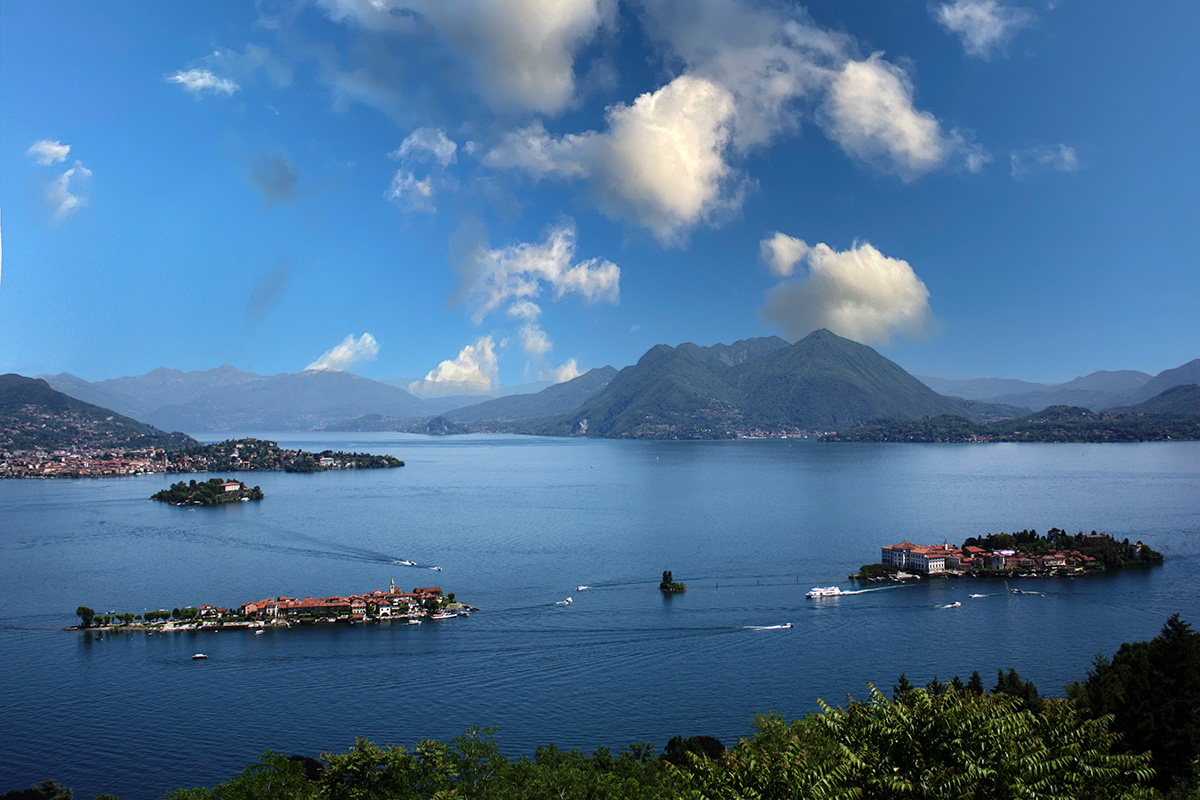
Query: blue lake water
(517,524)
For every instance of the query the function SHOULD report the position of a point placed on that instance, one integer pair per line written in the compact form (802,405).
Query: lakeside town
(235,455)
(1024,553)
(422,603)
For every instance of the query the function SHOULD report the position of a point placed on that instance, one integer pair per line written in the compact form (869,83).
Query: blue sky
(483,193)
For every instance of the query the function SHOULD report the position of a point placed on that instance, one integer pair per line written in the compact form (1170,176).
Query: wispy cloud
(1056,157)
(424,144)
(351,350)
(64,194)
(201,81)
(47,152)
(985,26)
(411,193)
(858,293)
(521,272)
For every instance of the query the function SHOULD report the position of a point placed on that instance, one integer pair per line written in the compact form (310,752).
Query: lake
(517,524)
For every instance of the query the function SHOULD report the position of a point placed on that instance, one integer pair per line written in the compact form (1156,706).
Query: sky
(469,194)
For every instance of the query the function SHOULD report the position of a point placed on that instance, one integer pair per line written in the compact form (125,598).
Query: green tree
(949,745)
(86,615)
(1152,691)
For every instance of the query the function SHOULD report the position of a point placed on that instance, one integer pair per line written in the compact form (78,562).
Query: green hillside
(561,398)
(756,387)
(35,417)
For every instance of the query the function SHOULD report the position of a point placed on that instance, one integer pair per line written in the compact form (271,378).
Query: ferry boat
(444,615)
(823,591)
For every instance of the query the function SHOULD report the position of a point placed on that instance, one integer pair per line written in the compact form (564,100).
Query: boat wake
(785,626)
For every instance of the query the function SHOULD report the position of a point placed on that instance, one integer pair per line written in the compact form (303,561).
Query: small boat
(582,588)
(414,622)
(444,615)
(436,569)
(566,602)
(464,613)
(979,595)
(823,591)
(198,656)
(955,604)
(405,563)
(259,633)
(1017,591)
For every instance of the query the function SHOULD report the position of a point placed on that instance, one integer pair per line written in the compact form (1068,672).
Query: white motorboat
(582,588)
(198,656)
(414,622)
(824,591)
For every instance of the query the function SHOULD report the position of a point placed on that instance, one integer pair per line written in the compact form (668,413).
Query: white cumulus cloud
(872,118)
(661,163)
(520,273)
(859,293)
(568,371)
(47,152)
(350,350)
(520,53)
(474,366)
(427,143)
(782,253)
(983,25)
(749,74)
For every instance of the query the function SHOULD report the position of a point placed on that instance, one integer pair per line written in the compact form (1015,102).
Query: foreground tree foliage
(927,744)
(1151,690)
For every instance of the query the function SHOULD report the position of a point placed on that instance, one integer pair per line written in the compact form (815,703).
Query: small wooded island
(671,586)
(211,492)
(1024,553)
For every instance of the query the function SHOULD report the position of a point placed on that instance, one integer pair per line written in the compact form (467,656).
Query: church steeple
(393,581)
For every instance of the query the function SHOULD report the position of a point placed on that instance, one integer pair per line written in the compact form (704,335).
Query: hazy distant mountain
(306,401)
(823,382)
(560,398)
(1168,378)
(1183,399)
(1096,391)
(35,416)
(429,390)
(977,388)
(226,398)
(88,392)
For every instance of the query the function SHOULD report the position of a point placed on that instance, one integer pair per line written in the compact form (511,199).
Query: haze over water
(517,524)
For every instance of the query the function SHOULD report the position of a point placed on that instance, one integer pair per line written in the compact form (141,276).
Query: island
(212,492)
(1022,554)
(380,605)
(671,586)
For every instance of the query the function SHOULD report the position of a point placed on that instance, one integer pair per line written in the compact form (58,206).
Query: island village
(422,603)
(1020,554)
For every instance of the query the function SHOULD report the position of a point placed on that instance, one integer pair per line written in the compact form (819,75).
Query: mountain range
(760,386)
(1097,391)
